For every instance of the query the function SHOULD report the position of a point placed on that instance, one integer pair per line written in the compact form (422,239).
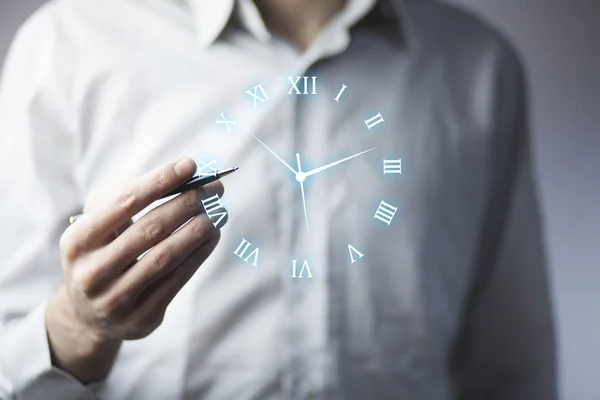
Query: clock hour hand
(276,156)
(323,168)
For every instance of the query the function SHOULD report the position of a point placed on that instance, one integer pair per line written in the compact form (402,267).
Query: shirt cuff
(25,363)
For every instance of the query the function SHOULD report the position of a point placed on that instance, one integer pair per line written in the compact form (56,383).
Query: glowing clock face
(250,252)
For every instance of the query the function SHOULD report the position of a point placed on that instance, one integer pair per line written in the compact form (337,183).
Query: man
(452,304)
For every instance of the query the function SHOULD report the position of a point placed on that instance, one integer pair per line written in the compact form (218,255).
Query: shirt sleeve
(37,147)
(506,346)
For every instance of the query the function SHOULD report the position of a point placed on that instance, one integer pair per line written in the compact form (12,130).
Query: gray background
(560,44)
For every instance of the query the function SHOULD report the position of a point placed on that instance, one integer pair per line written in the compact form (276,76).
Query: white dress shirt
(449,300)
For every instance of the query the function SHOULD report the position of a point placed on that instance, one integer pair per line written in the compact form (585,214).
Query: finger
(153,302)
(132,198)
(168,255)
(214,187)
(165,257)
(110,261)
(158,224)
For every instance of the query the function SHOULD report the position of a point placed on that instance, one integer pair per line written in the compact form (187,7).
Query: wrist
(75,348)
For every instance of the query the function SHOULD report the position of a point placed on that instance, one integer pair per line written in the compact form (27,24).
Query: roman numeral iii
(392,167)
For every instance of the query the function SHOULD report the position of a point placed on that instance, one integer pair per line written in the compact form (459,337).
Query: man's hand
(109,293)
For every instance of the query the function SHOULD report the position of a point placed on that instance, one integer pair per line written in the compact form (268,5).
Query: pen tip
(228,171)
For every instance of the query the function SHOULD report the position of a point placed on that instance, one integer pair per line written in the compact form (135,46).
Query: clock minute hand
(276,156)
(323,168)
(300,178)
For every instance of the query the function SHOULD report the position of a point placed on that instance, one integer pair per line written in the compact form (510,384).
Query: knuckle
(202,227)
(159,259)
(219,188)
(83,282)
(120,248)
(192,200)
(105,310)
(151,229)
(146,321)
(216,237)
(128,200)
(113,306)
(214,240)
(164,177)
(68,246)
(215,187)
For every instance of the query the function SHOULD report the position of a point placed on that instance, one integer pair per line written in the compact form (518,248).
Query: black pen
(193,183)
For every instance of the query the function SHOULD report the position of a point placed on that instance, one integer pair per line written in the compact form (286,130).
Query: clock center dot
(300,176)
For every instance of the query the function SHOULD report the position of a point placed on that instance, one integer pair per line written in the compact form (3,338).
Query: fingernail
(186,166)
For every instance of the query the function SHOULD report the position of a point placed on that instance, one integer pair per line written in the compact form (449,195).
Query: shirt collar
(211,17)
